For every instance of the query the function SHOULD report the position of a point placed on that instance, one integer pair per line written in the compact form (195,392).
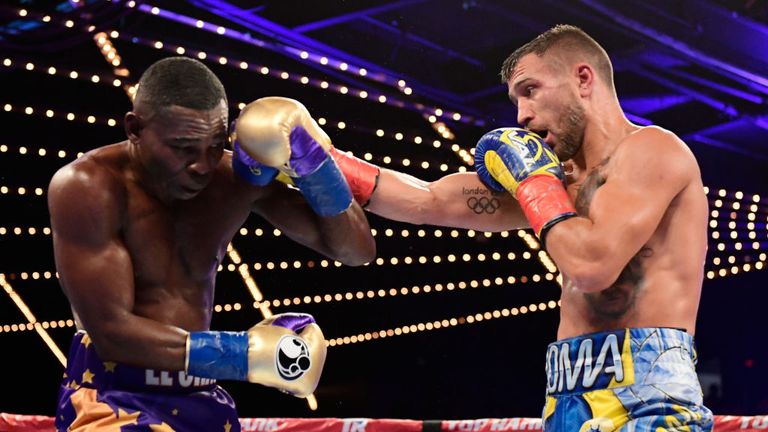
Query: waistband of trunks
(616,358)
(86,369)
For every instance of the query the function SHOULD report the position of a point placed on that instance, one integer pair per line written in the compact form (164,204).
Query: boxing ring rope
(722,423)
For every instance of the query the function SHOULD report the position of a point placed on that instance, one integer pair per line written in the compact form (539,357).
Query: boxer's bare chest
(176,248)
(583,185)
(617,302)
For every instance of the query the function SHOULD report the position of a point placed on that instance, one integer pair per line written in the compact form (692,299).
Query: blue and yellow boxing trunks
(96,395)
(638,379)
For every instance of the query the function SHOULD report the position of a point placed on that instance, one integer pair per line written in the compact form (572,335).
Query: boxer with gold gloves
(140,228)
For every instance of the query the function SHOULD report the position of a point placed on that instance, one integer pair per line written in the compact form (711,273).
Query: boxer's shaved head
(178,81)
(570,44)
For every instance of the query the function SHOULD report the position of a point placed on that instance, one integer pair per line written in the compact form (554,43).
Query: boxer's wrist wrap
(218,355)
(325,190)
(362,177)
(545,202)
(249,170)
(317,175)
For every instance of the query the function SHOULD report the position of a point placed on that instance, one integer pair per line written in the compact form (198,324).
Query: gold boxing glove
(286,351)
(263,130)
(279,133)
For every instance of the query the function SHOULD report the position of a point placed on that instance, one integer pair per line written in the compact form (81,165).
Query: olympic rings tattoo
(483,205)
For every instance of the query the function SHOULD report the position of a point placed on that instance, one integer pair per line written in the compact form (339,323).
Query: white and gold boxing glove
(286,351)
(279,133)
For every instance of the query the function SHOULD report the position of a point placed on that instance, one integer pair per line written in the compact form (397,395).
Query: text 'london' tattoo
(618,299)
(481,200)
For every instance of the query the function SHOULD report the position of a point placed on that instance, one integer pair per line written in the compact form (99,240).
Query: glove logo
(483,205)
(292,358)
(255,170)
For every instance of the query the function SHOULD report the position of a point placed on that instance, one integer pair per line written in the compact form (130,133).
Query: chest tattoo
(618,300)
(594,180)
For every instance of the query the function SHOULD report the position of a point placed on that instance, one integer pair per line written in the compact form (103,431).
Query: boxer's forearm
(140,342)
(457,200)
(347,237)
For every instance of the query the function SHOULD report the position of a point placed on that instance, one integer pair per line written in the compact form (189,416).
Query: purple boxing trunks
(97,395)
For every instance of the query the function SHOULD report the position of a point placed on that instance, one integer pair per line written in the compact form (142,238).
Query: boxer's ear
(133,126)
(586,76)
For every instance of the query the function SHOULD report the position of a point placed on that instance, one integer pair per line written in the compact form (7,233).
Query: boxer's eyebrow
(515,89)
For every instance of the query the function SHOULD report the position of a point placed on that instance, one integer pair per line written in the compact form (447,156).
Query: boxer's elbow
(108,341)
(591,277)
(591,270)
(363,253)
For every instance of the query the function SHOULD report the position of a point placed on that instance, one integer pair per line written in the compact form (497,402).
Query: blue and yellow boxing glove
(518,161)
(286,351)
(279,133)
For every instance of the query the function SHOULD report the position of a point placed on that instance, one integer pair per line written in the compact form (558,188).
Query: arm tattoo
(481,200)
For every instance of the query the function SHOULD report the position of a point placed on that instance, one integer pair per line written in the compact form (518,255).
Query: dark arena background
(445,324)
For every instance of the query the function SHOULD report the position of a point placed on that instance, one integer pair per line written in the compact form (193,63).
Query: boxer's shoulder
(650,149)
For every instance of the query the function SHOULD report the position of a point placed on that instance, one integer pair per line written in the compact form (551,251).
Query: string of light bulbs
(59,114)
(376,76)
(444,323)
(42,152)
(28,326)
(497,281)
(111,122)
(110,53)
(530,240)
(736,269)
(31,320)
(396,83)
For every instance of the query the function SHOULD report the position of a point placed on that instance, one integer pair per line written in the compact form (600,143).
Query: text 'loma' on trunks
(562,374)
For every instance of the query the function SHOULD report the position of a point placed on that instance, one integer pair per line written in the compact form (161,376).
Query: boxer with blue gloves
(627,231)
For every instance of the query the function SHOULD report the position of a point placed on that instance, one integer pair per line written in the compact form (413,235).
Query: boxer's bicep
(94,265)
